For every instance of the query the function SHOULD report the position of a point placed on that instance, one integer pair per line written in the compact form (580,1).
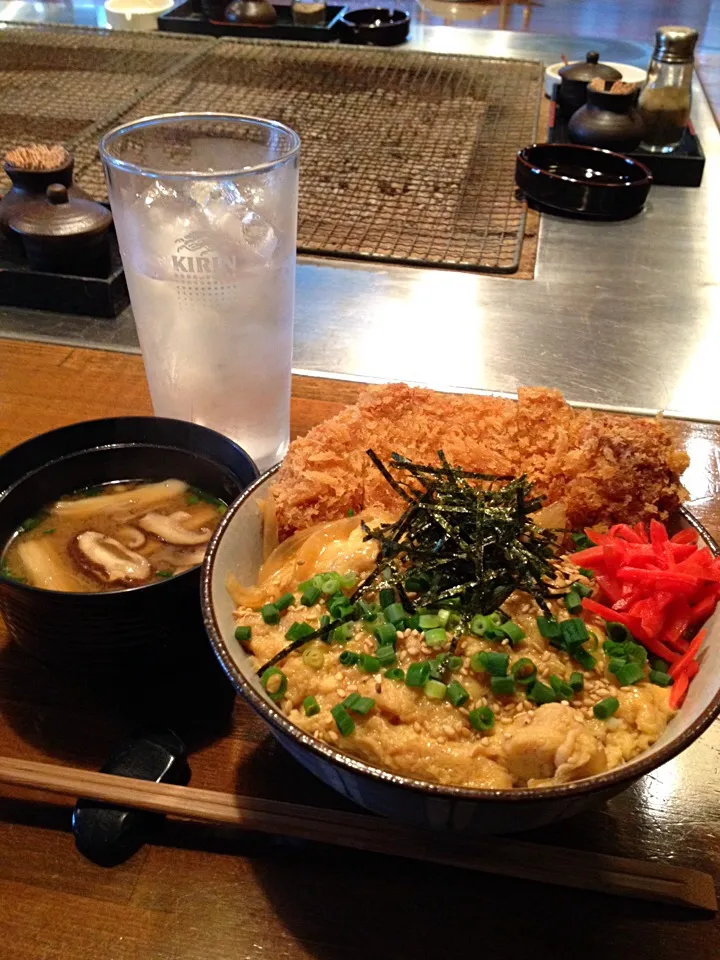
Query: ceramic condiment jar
(252,12)
(609,119)
(61,233)
(30,185)
(574,80)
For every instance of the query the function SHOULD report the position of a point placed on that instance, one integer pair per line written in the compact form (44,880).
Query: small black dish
(586,182)
(123,630)
(374,26)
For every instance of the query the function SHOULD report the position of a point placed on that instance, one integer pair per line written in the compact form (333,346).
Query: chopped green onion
(586,572)
(191,499)
(396,673)
(615,664)
(618,632)
(275,682)
(417,674)
(576,681)
(628,673)
(368,664)
(311,706)
(31,523)
(243,634)
(430,622)
(50,530)
(457,694)
(435,690)
(313,657)
(549,628)
(524,671)
(436,637)
(343,720)
(574,632)
(442,616)
(299,630)
(482,718)
(285,601)
(386,597)
(416,582)
(584,658)
(582,589)
(348,580)
(350,512)
(606,708)
(454,663)
(573,601)
(496,664)
(342,633)
(513,632)
(503,686)
(487,626)
(385,655)
(394,612)
(660,678)
(358,704)
(310,596)
(348,659)
(270,613)
(385,634)
(561,688)
(329,583)
(661,666)
(367,611)
(582,541)
(541,693)
(636,653)
(339,605)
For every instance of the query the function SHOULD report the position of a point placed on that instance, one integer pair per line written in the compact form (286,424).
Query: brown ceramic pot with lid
(574,80)
(62,233)
(609,119)
(30,185)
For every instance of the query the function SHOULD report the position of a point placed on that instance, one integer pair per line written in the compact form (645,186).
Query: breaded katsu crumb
(605,468)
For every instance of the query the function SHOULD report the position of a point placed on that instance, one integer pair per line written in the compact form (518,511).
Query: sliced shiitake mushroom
(171,530)
(109,560)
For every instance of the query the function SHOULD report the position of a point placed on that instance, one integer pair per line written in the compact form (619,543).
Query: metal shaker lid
(675,44)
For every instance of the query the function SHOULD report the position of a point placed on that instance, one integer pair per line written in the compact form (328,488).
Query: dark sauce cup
(123,632)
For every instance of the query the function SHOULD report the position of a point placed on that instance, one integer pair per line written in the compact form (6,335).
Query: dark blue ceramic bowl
(123,629)
(237,548)
(582,182)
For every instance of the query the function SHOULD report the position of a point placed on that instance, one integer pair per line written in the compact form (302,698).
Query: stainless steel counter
(624,314)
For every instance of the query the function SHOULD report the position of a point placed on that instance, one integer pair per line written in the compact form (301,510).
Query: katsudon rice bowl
(462,609)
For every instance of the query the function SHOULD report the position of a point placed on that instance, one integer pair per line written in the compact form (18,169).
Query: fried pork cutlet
(604,468)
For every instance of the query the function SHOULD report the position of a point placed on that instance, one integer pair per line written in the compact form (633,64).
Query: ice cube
(260,236)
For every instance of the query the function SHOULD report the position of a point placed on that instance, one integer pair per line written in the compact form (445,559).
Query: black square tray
(682,168)
(21,286)
(184,19)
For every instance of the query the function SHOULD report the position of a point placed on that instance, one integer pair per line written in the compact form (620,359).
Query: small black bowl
(123,629)
(374,26)
(587,182)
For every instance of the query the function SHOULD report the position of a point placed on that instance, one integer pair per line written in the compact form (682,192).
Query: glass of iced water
(205,209)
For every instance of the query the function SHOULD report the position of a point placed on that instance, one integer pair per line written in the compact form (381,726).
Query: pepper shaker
(666,97)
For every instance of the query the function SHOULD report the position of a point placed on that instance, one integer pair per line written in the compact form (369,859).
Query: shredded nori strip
(470,534)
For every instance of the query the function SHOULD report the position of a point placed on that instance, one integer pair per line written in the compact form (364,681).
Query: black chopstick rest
(109,835)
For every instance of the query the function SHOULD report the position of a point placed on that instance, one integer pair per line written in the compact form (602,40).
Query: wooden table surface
(202,893)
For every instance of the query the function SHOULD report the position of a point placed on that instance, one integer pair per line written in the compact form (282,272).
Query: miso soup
(114,536)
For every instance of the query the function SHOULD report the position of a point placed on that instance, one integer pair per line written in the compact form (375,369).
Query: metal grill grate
(58,83)
(406,157)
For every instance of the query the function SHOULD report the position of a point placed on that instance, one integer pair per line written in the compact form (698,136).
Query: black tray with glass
(683,167)
(186,19)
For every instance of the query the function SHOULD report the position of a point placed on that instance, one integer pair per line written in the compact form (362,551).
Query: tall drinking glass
(205,209)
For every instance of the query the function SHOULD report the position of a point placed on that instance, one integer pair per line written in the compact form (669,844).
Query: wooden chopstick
(584,870)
